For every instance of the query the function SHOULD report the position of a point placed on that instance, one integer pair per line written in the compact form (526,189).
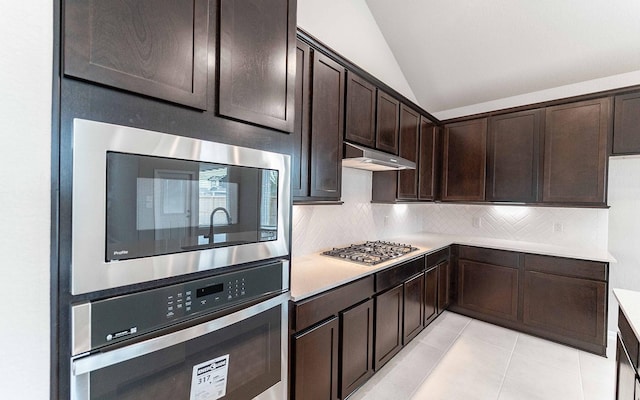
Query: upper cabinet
(361,111)
(428,159)
(514,156)
(409,133)
(301,132)
(327,127)
(387,118)
(575,155)
(257,62)
(464,160)
(626,124)
(155,48)
(319,125)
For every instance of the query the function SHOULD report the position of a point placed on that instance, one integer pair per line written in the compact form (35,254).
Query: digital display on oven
(206,291)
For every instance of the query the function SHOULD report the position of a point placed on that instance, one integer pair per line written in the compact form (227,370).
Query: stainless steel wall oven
(148,205)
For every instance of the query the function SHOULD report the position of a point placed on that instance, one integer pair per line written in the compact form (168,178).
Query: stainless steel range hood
(373,160)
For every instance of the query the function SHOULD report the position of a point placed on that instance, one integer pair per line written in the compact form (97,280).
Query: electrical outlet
(476,222)
(558,227)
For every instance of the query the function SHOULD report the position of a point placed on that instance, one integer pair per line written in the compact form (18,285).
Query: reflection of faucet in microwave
(215,210)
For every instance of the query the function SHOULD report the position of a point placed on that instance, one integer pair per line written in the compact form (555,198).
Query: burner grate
(371,253)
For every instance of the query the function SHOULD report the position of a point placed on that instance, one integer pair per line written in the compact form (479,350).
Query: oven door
(239,356)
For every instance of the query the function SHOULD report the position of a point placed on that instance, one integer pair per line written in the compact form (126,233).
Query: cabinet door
(356,344)
(409,129)
(257,62)
(572,307)
(625,374)
(488,289)
(626,124)
(327,127)
(575,155)
(361,111)
(427,160)
(387,123)
(430,295)
(388,325)
(513,156)
(301,132)
(413,307)
(444,286)
(315,369)
(465,151)
(153,47)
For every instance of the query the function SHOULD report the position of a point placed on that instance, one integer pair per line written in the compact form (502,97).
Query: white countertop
(629,301)
(315,273)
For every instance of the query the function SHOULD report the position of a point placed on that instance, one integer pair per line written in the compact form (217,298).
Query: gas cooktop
(371,253)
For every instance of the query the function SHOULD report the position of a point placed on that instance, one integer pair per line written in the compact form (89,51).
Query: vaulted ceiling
(456,53)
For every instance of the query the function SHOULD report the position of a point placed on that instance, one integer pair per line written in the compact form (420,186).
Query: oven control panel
(124,317)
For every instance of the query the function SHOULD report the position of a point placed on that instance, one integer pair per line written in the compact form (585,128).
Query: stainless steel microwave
(149,205)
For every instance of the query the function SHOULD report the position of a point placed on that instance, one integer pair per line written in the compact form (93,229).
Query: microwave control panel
(124,317)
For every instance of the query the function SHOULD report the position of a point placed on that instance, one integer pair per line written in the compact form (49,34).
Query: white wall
(317,228)
(349,28)
(576,89)
(26,29)
(624,228)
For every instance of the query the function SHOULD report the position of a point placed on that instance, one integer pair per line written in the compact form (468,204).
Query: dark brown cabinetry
(444,286)
(409,149)
(332,341)
(514,156)
(257,62)
(626,360)
(356,347)
(626,124)
(464,160)
(566,298)
(387,123)
(327,127)
(361,111)
(316,362)
(430,295)
(317,137)
(556,298)
(575,155)
(388,326)
(155,48)
(301,131)
(428,159)
(413,307)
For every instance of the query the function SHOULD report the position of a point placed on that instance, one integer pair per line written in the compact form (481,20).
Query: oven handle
(83,365)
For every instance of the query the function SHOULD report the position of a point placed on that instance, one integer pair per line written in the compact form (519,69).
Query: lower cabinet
(561,299)
(444,286)
(413,307)
(489,289)
(356,347)
(388,325)
(430,295)
(316,362)
(625,375)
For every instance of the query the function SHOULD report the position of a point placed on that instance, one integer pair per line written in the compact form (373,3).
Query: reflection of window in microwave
(269,201)
(216,191)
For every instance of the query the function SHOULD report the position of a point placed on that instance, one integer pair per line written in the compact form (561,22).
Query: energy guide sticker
(209,379)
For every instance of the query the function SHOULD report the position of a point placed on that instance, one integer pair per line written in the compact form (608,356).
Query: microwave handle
(87,364)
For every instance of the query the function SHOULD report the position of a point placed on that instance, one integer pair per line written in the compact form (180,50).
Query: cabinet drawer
(397,274)
(566,267)
(629,338)
(310,311)
(489,256)
(437,257)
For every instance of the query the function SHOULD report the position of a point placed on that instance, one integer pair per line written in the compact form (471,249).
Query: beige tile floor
(459,358)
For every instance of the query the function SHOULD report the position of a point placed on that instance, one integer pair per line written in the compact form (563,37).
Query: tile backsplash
(316,228)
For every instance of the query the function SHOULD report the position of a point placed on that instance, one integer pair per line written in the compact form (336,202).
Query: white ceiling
(456,53)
